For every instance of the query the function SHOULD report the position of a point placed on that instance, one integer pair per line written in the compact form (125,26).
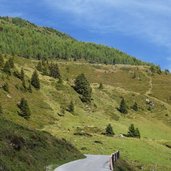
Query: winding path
(91,163)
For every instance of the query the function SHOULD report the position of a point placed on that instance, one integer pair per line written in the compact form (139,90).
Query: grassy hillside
(24,149)
(85,126)
(20,37)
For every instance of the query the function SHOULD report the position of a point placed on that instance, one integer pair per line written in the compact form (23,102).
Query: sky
(140,28)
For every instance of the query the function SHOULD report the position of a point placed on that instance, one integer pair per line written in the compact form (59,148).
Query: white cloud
(148,19)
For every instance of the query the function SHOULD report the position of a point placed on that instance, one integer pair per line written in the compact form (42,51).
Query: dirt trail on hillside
(149,91)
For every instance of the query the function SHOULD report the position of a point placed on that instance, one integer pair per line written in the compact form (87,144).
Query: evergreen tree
(22,74)
(7,68)
(6,87)
(39,66)
(1,61)
(24,109)
(109,130)
(71,107)
(30,87)
(35,82)
(54,71)
(123,107)
(11,62)
(137,133)
(82,86)
(135,107)
(24,83)
(131,131)
(100,86)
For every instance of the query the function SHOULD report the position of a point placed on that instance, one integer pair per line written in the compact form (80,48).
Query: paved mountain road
(91,163)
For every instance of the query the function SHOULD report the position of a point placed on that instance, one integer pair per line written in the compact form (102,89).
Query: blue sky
(139,28)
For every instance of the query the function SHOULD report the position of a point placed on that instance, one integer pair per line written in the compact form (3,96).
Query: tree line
(22,38)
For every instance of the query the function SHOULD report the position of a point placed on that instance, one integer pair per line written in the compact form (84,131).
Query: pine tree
(6,87)
(1,61)
(7,68)
(135,107)
(35,82)
(54,71)
(24,83)
(30,87)
(109,130)
(131,131)
(82,86)
(71,107)
(39,66)
(22,74)
(11,62)
(137,133)
(123,107)
(100,86)
(24,109)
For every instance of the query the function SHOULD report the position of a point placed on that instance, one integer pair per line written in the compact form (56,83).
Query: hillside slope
(25,39)
(86,125)
(24,149)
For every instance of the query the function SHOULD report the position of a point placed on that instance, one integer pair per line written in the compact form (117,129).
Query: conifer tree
(137,133)
(71,107)
(24,83)
(24,109)
(100,86)
(1,61)
(11,62)
(35,82)
(54,71)
(39,66)
(7,68)
(22,74)
(30,87)
(82,86)
(135,107)
(109,130)
(6,87)
(123,107)
(131,131)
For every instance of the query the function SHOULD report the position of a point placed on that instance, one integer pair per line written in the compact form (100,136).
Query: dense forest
(22,38)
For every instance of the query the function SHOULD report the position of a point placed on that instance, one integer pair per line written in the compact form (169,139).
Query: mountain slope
(25,39)
(86,125)
(24,149)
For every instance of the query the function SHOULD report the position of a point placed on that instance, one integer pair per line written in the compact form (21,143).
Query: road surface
(91,163)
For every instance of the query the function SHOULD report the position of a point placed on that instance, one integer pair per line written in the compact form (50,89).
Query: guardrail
(114,157)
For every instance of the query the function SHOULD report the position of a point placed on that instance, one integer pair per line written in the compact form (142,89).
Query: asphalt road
(91,163)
